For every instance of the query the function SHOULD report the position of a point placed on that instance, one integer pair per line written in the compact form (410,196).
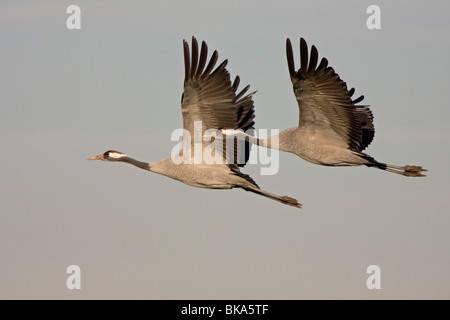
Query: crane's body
(202,175)
(318,147)
(321,148)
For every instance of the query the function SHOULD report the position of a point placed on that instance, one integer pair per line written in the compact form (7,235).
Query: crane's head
(109,155)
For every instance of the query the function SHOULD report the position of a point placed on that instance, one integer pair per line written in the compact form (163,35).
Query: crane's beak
(99,157)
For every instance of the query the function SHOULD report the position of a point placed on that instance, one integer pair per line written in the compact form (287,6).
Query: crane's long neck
(137,163)
(280,141)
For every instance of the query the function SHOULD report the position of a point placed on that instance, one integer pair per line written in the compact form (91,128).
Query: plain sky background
(116,84)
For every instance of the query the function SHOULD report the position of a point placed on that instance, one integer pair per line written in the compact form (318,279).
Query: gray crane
(209,97)
(333,129)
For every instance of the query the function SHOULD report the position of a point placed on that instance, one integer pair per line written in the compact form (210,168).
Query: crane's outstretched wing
(325,102)
(211,101)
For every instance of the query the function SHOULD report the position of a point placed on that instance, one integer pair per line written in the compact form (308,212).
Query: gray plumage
(209,97)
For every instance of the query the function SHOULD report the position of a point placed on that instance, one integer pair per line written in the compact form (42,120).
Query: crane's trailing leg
(283,199)
(407,171)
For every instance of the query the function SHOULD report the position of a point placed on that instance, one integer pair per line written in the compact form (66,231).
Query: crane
(208,98)
(333,129)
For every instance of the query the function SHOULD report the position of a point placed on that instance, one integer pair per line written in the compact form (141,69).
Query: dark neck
(134,162)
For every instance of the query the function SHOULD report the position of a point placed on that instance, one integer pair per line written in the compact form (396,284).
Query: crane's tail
(407,171)
(283,199)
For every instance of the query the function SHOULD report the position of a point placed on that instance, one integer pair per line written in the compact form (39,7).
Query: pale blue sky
(116,84)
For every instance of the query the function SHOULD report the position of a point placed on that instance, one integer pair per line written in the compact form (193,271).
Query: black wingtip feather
(313,60)
(236,82)
(194,57)
(203,58)
(303,55)
(323,64)
(357,100)
(187,60)
(351,92)
(243,91)
(290,57)
(221,66)
(212,62)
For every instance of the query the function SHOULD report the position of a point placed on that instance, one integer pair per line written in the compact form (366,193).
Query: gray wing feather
(210,97)
(324,99)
